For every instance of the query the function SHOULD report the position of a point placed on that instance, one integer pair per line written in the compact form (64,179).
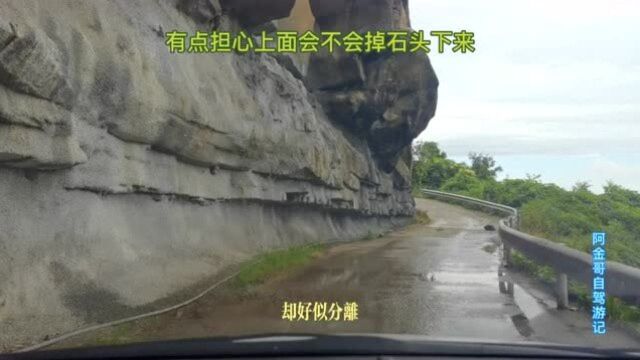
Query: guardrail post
(506,254)
(562,291)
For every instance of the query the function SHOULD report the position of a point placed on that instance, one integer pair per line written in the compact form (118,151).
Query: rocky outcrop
(35,121)
(386,98)
(127,172)
(361,15)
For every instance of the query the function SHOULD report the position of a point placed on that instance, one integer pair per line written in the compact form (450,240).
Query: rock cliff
(128,173)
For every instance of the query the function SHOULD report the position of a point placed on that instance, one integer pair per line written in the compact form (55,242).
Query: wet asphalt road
(440,279)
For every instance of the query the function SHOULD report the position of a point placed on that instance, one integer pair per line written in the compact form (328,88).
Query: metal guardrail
(469,200)
(622,280)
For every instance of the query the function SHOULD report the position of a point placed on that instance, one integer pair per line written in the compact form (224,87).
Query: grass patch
(370,235)
(422,217)
(114,335)
(119,334)
(542,273)
(269,264)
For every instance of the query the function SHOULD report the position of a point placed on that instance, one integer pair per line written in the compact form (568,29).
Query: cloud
(548,78)
(603,170)
(496,145)
(532,128)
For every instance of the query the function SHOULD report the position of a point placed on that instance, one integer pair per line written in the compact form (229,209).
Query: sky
(553,88)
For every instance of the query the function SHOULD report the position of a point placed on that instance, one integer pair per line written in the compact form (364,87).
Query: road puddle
(462,278)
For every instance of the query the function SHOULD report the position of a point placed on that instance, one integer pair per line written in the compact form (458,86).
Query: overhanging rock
(385,98)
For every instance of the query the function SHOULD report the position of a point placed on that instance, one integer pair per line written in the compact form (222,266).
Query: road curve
(440,279)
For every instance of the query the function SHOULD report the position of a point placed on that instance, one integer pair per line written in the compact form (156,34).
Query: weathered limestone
(21,109)
(255,12)
(201,11)
(7,33)
(403,93)
(35,149)
(361,15)
(128,173)
(387,99)
(334,71)
(31,64)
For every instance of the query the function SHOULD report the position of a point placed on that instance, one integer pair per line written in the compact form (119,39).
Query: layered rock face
(128,173)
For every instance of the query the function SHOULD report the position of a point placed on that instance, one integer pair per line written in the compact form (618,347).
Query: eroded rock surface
(388,99)
(139,172)
(361,15)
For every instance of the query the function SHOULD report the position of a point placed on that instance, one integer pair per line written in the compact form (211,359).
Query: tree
(465,182)
(427,150)
(619,193)
(533,177)
(431,167)
(581,186)
(484,166)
